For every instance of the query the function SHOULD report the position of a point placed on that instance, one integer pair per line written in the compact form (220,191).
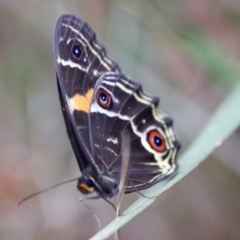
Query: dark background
(186,52)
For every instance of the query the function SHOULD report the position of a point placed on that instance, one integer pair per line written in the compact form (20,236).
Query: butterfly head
(103,184)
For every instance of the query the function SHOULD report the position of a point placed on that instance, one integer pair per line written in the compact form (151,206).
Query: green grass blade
(224,122)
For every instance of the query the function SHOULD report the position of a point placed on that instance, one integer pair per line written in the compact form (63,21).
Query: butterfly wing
(79,61)
(153,144)
(87,79)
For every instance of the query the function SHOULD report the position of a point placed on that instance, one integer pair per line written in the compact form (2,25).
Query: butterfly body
(100,105)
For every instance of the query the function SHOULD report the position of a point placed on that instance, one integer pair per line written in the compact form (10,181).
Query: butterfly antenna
(45,190)
(94,214)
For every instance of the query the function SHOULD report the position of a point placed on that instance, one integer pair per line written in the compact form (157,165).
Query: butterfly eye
(76,51)
(103,98)
(156,141)
(88,182)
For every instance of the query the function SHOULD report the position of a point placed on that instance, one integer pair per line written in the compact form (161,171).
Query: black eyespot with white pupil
(76,51)
(103,98)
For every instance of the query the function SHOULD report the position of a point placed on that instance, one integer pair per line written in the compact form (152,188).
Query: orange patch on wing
(81,102)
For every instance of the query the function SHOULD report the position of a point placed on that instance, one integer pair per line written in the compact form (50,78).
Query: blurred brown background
(187,52)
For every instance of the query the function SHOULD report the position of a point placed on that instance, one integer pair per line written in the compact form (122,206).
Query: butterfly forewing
(77,76)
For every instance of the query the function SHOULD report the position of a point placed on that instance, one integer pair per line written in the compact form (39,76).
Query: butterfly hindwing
(133,111)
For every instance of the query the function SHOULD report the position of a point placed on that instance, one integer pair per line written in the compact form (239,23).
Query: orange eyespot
(103,98)
(156,141)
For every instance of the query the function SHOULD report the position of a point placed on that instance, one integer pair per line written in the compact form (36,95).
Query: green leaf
(223,123)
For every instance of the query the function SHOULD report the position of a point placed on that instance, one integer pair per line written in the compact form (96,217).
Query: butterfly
(101,106)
